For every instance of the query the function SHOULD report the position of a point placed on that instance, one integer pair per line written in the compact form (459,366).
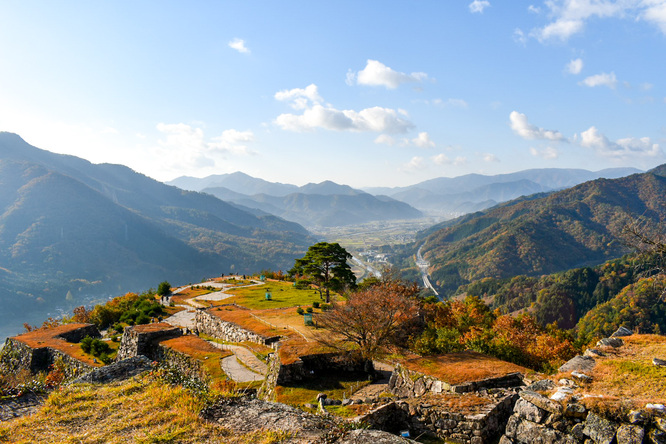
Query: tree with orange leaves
(371,318)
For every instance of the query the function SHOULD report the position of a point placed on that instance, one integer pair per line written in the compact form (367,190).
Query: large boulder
(578,363)
(621,332)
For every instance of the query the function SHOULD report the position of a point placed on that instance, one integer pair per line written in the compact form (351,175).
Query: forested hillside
(539,235)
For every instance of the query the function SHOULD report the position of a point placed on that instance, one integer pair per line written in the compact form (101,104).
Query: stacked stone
(410,384)
(211,325)
(537,419)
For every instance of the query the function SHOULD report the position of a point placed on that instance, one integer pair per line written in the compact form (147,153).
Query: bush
(309,309)
(325,307)
(300,311)
(164,288)
(315,304)
(96,347)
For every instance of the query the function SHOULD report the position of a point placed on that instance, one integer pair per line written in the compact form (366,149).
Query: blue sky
(363,93)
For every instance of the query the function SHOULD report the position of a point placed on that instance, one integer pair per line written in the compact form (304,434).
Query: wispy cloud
(521,126)
(547,153)
(571,16)
(575,66)
(239,45)
(188,147)
(443,159)
(603,79)
(478,6)
(376,73)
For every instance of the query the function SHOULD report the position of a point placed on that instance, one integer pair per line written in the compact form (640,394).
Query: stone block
(630,434)
(600,430)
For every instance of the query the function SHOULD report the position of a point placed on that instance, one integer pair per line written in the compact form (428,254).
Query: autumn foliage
(454,326)
(371,318)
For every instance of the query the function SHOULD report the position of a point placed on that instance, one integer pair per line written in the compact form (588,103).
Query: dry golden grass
(291,350)
(151,328)
(46,337)
(457,368)
(243,318)
(136,411)
(466,403)
(202,351)
(628,372)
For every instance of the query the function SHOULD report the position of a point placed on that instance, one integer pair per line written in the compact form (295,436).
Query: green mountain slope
(533,236)
(70,229)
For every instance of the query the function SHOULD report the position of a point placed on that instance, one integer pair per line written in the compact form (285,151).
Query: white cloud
(423,141)
(443,159)
(316,115)
(519,36)
(524,129)
(602,79)
(575,66)
(233,141)
(239,45)
(416,163)
(534,9)
(548,152)
(188,147)
(570,16)
(627,148)
(488,157)
(376,73)
(477,6)
(300,98)
(655,12)
(370,119)
(385,139)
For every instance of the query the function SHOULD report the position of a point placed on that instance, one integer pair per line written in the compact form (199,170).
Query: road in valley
(423,266)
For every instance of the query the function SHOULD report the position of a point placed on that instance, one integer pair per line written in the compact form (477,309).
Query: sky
(364,93)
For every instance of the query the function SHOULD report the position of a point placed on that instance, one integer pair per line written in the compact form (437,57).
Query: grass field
(283,294)
(628,372)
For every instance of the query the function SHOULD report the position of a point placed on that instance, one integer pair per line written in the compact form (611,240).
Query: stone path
(378,386)
(237,372)
(183,318)
(24,405)
(252,370)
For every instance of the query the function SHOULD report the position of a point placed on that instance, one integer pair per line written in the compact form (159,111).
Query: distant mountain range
(474,192)
(325,204)
(543,234)
(69,229)
(445,197)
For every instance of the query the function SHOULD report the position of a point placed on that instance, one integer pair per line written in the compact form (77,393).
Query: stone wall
(308,366)
(183,362)
(537,419)
(211,325)
(409,384)
(423,418)
(77,335)
(117,371)
(17,355)
(143,340)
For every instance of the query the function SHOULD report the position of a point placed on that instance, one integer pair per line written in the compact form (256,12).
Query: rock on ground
(578,363)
